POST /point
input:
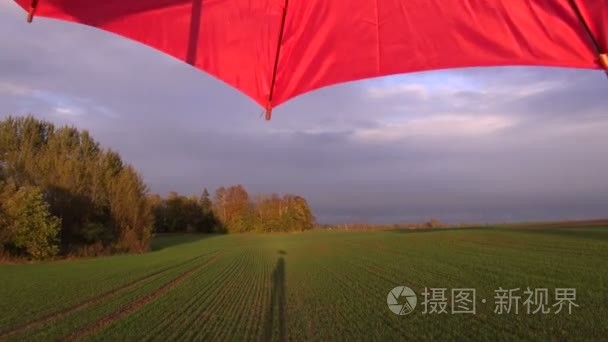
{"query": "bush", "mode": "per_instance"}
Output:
(30, 228)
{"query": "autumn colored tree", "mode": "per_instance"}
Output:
(231, 211)
(266, 213)
(233, 208)
(220, 204)
(130, 212)
(99, 199)
(297, 215)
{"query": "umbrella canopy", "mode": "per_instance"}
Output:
(274, 50)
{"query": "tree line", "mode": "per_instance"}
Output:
(62, 193)
(231, 210)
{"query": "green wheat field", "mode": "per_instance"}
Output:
(317, 285)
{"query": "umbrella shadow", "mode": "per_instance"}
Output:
(277, 304)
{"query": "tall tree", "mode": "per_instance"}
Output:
(97, 196)
(220, 204)
(237, 209)
(210, 222)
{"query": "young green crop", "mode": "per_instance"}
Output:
(318, 285)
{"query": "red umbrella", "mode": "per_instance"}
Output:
(274, 50)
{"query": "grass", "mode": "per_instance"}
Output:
(318, 285)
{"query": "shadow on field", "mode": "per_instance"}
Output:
(277, 303)
(166, 240)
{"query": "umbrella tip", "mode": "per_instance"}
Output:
(30, 13)
(604, 60)
(268, 111)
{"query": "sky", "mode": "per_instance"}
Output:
(471, 145)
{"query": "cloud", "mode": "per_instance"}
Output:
(471, 144)
(447, 126)
(13, 89)
(418, 91)
(528, 90)
(67, 111)
(57, 103)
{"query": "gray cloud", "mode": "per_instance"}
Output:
(475, 144)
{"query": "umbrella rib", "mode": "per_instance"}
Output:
(603, 57)
(276, 63)
(30, 14)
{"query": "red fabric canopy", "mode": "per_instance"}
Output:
(285, 48)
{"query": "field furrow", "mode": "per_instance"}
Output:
(89, 302)
(135, 305)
